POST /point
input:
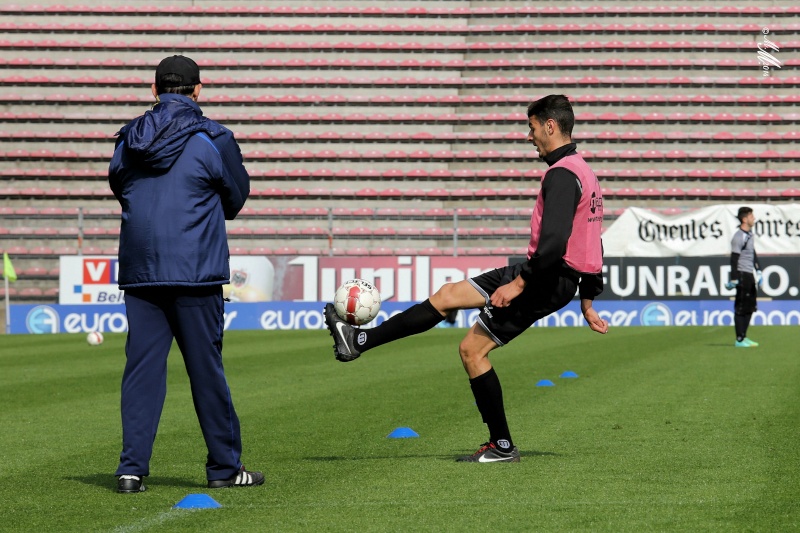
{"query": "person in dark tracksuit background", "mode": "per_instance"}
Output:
(177, 176)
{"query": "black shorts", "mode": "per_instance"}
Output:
(745, 302)
(541, 297)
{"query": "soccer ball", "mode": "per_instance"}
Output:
(357, 302)
(95, 338)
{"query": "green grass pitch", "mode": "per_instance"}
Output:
(666, 429)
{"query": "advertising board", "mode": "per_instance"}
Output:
(271, 316)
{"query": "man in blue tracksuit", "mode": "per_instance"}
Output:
(178, 176)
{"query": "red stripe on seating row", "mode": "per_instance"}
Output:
(519, 119)
(397, 64)
(443, 156)
(498, 82)
(423, 100)
(414, 194)
(419, 11)
(392, 46)
(441, 137)
(396, 29)
(405, 175)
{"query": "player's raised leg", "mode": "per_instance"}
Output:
(350, 342)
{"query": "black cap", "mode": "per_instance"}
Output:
(180, 71)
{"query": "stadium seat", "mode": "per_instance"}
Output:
(260, 250)
(30, 292)
(790, 174)
(650, 193)
(356, 251)
(310, 250)
(769, 194)
(405, 250)
(698, 174)
(33, 272)
(16, 250)
(11, 292)
(477, 233)
(431, 250)
(506, 251)
(475, 250)
(745, 194)
(382, 250)
(314, 232)
(282, 250)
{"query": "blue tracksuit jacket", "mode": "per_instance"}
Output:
(178, 176)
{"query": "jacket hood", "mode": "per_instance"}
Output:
(157, 138)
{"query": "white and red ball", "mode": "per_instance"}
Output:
(94, 338)
(357, 302)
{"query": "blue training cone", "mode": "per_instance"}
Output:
(569, 374)
(545, 383)
(402, 433)
(197, 501)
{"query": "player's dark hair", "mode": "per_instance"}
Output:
(185, 90)
(743, 212)
(556, 107)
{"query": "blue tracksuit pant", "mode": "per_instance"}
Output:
(194, 317)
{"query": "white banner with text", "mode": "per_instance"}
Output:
(703, 232)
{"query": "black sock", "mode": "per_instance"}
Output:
(489, 397)
(740, 322)
(416, 319)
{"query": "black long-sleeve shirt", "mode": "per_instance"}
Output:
(560, 192)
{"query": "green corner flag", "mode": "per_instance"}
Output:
(8, 268)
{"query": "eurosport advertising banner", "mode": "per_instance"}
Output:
(270, 316)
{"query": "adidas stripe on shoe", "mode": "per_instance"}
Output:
(243, 478)
(489, 453)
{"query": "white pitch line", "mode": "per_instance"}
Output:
(149, 523)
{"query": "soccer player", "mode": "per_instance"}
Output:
(564, 257)
(743, 261)
(178, 176)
